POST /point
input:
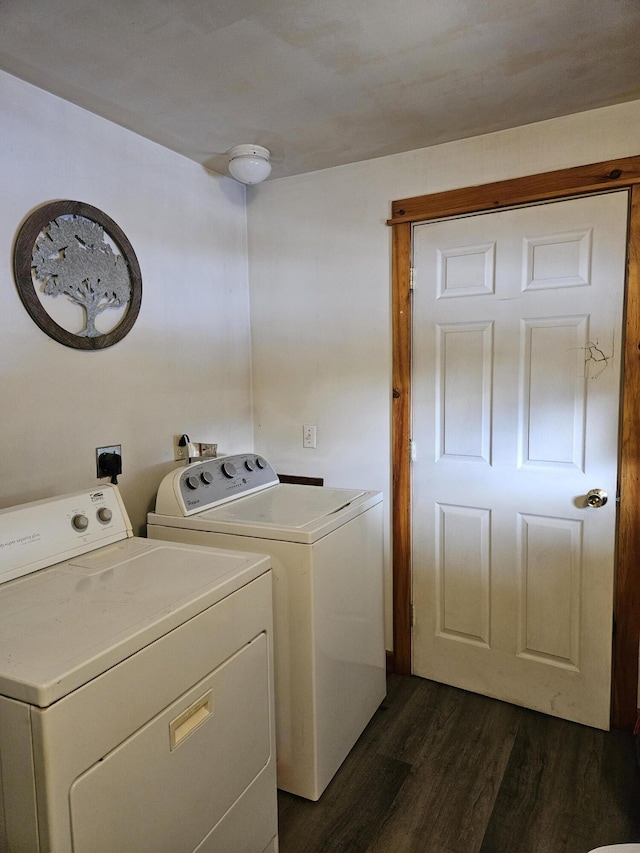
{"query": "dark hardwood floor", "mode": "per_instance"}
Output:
(440, 770)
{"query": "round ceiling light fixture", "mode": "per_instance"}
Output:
(249, 164)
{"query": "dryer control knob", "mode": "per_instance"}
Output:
(248, 464)
(104, 514)
(260, 462)
(80, 522)
(192, 482)
(207, 477)
(229, 469)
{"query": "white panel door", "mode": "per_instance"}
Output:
(516, 379)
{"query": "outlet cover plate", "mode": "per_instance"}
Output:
(112, 448)
(179, 452)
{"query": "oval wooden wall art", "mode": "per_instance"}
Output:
(61, 249)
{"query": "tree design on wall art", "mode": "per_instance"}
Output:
(72, 258)
(72, 250)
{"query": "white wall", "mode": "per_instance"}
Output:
(319, 268)
(185, 365)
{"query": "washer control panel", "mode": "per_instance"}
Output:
(210, 482)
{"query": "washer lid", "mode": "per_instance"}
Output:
(289, 512)
(64, 625)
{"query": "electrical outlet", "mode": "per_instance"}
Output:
(179, 451)
(112, 448)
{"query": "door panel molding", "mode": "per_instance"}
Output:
(549, 186)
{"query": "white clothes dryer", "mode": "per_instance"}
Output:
(326, 550)
(136, 687)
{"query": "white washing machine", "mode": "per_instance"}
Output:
(326, 552)
(136, 698)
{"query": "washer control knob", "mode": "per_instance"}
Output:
(206, 477)
(104, 514)
(229, 469)
(80, 522)
(260, 462)
(192, 482)
(249, 465)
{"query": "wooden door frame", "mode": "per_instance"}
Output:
(549, 186)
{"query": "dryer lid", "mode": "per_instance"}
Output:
(66, 624)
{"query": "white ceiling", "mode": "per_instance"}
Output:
(323, 82)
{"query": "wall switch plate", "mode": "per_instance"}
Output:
(112, 448)
(309, 435)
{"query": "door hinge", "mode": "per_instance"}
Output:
(411, 278)
(411, 616)
(412, 451)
